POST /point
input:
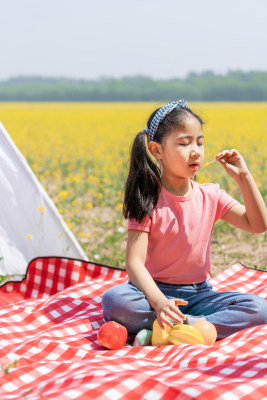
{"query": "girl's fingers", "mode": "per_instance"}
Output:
(176, 312)
(161, 318)
(168, 318)
(160, 323)
(174, 316)
(226, 154)
(180, 302)
(170, 312)
(221, 156)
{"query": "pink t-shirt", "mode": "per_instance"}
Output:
(180, 231)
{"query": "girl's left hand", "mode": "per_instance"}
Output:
(232, 162)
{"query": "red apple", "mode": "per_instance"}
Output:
(112, 335)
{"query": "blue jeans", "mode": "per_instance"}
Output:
(228, 311)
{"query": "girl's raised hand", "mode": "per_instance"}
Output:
(169, 308)
(233, 163)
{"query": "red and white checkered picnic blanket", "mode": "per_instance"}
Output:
(48, 328)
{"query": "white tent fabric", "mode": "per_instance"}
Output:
(30, 224)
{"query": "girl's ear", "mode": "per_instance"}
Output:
(155, 149)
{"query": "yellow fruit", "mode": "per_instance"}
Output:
(160, 336)
(185, 334)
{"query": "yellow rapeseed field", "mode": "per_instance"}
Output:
(80, 152)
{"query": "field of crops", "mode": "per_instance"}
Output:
(80, 152)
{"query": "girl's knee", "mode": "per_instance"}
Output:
(259, 308)
(116, 304)
(128, 306)
(110, 302)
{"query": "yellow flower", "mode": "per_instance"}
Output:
(41, 208)
(63, 194)
(120, 206)
(68, 223)
(29, 237)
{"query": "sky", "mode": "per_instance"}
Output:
(92, 39)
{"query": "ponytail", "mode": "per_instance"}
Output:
(143, 184)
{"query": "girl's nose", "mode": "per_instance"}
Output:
(195, 151)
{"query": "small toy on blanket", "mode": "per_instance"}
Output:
(143, 338)
(112, 335)
(207, 330)
(200, 332)
(178, 334)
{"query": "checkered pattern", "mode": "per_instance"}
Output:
(162, 112)
(48, 346)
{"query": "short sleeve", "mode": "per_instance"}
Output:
(144, 225)
(225, 202)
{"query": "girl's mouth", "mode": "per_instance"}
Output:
(194, 166)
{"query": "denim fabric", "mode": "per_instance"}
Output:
(228, 311)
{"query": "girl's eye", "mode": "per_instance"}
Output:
(187, 144)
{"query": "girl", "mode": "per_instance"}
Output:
(171, 218)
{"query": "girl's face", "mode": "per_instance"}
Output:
(182, 152)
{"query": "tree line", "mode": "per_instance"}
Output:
(205, 86)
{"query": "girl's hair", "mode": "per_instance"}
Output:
(143, 183)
